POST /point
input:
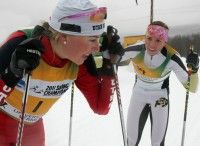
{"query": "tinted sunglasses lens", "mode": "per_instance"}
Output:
(99, 15)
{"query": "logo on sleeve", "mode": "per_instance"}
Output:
(4, 94)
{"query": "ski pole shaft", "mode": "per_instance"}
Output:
(24, 101)
(111, 32)
(71, 114)
(120, 107)
(186, 107)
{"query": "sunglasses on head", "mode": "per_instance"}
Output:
(94, 16)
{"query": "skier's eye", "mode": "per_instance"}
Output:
(158, 40)
(149, 38)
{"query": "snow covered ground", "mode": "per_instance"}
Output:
(89, 129)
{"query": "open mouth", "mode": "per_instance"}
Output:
(152, 49)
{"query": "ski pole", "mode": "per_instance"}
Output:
(151, 10)
(111, 32)
(186, 106)
(24, 101)
(71, 114)
(120, 107)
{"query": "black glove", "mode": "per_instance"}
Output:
(26, 58)
(116, 51)
(107, 68)
(104, 42)
(192, 61)
(110, 42)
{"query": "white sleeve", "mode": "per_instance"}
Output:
(131, 51)
(179, 69)
(128, 55)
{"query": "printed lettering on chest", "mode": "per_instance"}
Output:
(51, 90)
(46, 89)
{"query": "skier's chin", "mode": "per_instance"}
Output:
(152, 53)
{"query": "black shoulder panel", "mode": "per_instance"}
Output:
(6, 51)
(135, 48)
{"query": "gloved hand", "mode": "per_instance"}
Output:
(103, 42)
(26, 58)
(112, 50)
(192, 61)
(110, 42)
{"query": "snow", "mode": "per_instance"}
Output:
(89, 129)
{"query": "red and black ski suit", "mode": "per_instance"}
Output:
(48, 82)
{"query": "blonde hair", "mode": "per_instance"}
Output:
(49, 31)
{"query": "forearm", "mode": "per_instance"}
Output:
(7, 79)
(98, 90)
(106, 94)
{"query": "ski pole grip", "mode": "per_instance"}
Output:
(23, 65)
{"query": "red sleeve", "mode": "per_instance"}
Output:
(98, 91)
